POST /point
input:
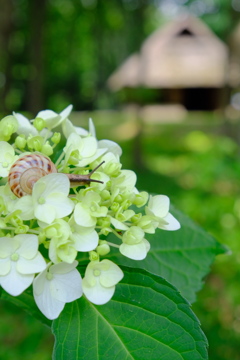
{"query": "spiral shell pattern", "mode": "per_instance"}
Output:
(26, 171)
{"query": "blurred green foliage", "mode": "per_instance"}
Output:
(56, 52)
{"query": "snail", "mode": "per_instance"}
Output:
(29, 168)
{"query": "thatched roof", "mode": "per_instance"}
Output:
(184, 53)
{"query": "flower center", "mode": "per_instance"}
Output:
(49, 276)
(96, 272)
(5, 164)
(14, 257)
(41, 200)
(94, 207)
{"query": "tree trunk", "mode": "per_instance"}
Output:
(6, 30)
(35, 100)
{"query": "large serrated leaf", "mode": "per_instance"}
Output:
(146, 319)
(182, 257)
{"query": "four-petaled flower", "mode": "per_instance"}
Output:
(100, 280)
(134, 245)
(19, 261)
(56, 285)
(49, 199)
(158, 208)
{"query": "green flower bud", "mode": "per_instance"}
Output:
(47, 149)
(115, 206)
(74, 158)
(126, 204)
(104, 222)
(133, 236)
(56, 138)
(2, 205)
(51, 232)
(39, 124)
(112, 169)
(141, 199)
(136, 218)
(14, 218)
(104, 231)
(105, 195)
(93, 256)
(35, 143)
(22, 229)
(148, 224)
(41, 237)
(103, 248)
(8, 126)
(118, 198)
(2, 224)
(120, 217)
(20, 141)
(109, 184)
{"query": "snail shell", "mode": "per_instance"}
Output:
(30, 168)
(26, 171)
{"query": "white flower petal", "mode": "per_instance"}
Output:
(130, 179)
(25, 204)
(112, 275)
(46, 114)
(33, 266)
(68, 128)
(5, 266)
(89, 147)
(111, 146)
(63, 267)
(28, 245)
(85, 241)
(54, 183)
(159, 205)
(86, 161)
(135, 252)
(14, 283)
(118, 224)
(7, 246)
(25, 127)
(67, 287)
(63, 205)
(45, 213)
(173, 223)
(66, 112)
(91, 127)
(83, 217)
(48, 305)
(97, 294)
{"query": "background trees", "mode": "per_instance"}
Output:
(55, 52)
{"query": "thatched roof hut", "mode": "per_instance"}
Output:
(184, 54)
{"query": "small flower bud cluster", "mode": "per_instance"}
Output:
(45, 234)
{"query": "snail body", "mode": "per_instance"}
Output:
(29, 168)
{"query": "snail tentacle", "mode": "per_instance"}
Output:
(78, 180)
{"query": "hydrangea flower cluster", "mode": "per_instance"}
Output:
(46, 234)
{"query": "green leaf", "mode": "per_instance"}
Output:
(27, 302)
(146, 319)
(182, 257)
